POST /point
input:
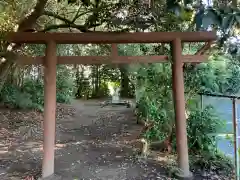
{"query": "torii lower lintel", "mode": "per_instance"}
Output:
(26, 60)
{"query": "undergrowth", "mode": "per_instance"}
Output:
(202, 129)
(212, 162)
(30, 95)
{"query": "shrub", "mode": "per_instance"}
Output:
(65, 84)
(103, 90)
(31, 94)
(35, 88)
(8, 94)
(202, 127)
(213, 162)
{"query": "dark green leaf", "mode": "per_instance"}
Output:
(237, 17)
(211, 17)
(86, 2)
(72, 1)
(174, 6)
(207, 21)
(227, 22)
(198, 20)
(188, 2)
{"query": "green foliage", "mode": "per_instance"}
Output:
(35, 89)
(220, 75)
(83, 89)
(154, 99)
(162, 127)
(65, 84)
(224, 16)
(31, 93)
(9, 95)
(103, 90)
(114, 84)
(216, 162)
(202, 127)
(14, 96)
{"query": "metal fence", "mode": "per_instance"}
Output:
(228, 109)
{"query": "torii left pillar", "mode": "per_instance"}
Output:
(49, 121)
(179, 107)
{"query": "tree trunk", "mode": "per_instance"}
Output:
(12, 75)
(79, 80)
(124, 82)
(27, 23)
(21, 72)
(235, 3)
(4, 72)
(97, 81)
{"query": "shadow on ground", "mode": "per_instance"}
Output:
(90, 145)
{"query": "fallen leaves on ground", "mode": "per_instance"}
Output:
(110, 134)
(29, 123)
(19, 126)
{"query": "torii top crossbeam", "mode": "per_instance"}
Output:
(110, 37)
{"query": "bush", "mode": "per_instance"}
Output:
(65, 85)
(83, 89)
(202, 127)
(154, 100)
(24, 101)
(31, 94)
(162, 126)
(217, 162)
(103, 90)
(14, 97)
(36, 89)
(22, 98)
(9, 94)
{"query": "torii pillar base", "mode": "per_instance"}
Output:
(181, 176)
(52, 177)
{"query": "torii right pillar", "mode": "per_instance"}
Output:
(179, 107)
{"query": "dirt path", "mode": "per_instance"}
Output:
(89, 146)
(95, 149)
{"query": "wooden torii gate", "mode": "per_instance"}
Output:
(51, 60)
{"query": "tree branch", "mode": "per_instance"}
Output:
(76, 16)
(82, 28)
(203, 49)
(29, 21)
(48, 13)
(67, 23)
